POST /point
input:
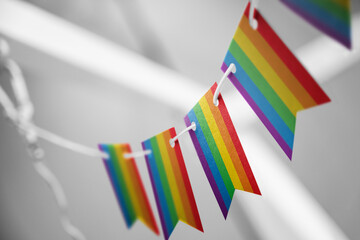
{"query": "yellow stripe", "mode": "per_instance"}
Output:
(277, 64)
(268, 72)
(235, 157)
(220, 144)
(141, 198)
(188, 218)
(128, 179)
(170, 176)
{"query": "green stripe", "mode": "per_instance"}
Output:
(337, 10)
(263, 85)
(121, 181)
(164, 180)
(214, 149)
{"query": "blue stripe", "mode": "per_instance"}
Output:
(210, 159)
(116, 186)
(323, 16)
(158, 190)
(261, 101)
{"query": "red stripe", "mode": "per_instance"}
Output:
(235, 138)
(187, 184)
(289, 59)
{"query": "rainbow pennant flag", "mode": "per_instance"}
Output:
(127, 185)
(219, 149)
(271, 79)
(171, 184)
(329, 16)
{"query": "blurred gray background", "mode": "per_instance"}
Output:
(314, 196)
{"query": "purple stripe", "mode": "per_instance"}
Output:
(207, 170)
(320, 25)
(259, 113)
(107, 167)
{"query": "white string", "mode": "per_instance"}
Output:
(5, 101)
(191, 127)
(22, 118)
(230, 69)
(13, 114)
(8, 106)
(137, 154)
(73, 146)
(60, 198)
(25, 107)
(253, 6)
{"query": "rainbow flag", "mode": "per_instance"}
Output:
(329, 16)
(219, 149)
(127, 185)
(271, 79)
(171, 184)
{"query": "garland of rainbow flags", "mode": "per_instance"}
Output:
(274, 84)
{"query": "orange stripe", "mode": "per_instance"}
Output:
(277, 64)
(128, 165)
(188, 218)
(145, 213)
(228, 142)
(187, 184)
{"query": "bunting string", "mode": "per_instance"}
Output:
(191, 127)
(262, 69)
(230, 69)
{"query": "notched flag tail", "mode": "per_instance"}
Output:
(271, 79)
(172, 189)
(333, 17)
(219, 149)
(127, 186)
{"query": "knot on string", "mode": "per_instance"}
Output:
(22, 118)
(35, 151)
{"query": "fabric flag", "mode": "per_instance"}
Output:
(329, 16)
(219, 149)
(171, 184)
(127, 185)
(271, 79)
